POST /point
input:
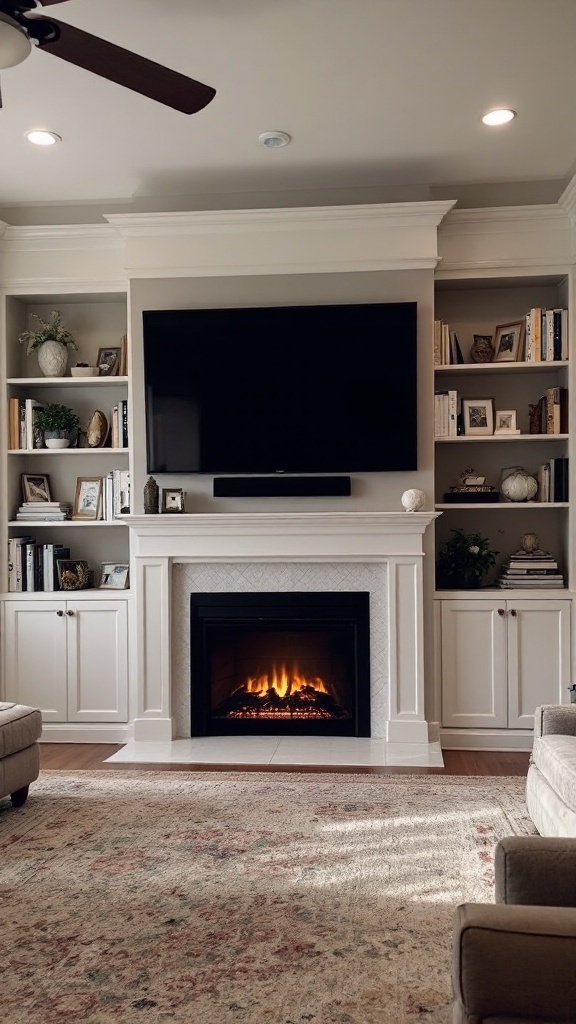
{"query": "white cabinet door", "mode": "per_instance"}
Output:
(474, 664)
(35, 656)
(97, 661)
(538, 657)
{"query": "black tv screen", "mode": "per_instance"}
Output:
(281, 389)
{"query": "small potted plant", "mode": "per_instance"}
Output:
(463, 561)
(51, 340)
(58, 423)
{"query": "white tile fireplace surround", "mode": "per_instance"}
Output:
(379, 552)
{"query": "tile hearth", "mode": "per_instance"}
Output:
(329, 751)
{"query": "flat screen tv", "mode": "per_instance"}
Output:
(281, 389)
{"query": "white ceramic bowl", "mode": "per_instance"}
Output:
(84, 371)
(57, 442)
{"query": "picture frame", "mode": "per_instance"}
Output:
(108, 361)
(505, 421)
(115, 576)
(73, 573)
(478, 416)
(509, 342)
(88, 498)
(36, 487)
(172, 499)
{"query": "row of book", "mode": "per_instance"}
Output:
(119, 425)
(552, 479)
(550, 414)
(445, 413)
(33, 566)
(546, 335)
(526, 570)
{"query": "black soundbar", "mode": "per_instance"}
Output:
(281, 486)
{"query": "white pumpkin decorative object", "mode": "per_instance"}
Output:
(413, 499)
(519, 486)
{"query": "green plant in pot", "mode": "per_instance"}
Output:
(463, 561)
(58, 423)
(51, 340)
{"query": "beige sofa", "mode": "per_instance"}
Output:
(551, 781)
(516, 964)
(20, 728)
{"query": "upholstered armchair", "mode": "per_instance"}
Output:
(514, 962)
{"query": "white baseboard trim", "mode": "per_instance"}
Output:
(72, 732)
(485, 739)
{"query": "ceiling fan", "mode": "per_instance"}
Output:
(21, 25)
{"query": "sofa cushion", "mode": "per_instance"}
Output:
(555, 758)
(20, 726)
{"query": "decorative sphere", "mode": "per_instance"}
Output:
(413, 499)
(519, 486)
(529, 542)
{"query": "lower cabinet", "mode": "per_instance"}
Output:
(500, 659)
(68, 658)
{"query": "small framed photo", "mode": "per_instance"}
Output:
(73, 574)
(509, 342)
(114, 576)
(172, 499)
(478, 415)
(88, 498)
(505, 421)
(35, 488)
(108, 361)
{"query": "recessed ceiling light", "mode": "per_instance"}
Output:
(42, 138)
(273, 140)
(500, 116)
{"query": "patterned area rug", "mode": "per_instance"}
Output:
(240, 898)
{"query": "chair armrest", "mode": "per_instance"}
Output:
(555, 718)
(513, 961)
(539, 870)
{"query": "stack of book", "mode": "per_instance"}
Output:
(528, 569)
(44, 511)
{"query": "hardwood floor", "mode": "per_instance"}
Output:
(64, 756)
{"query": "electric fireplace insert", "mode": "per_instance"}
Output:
(280, 664)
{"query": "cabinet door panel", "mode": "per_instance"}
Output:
(538, 657)
(473, 664)
(35, 656)
(97, 661)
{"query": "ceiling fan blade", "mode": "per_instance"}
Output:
(123, 67)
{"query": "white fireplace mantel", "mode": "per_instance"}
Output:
(395, 538)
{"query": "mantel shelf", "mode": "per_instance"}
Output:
(499, 438)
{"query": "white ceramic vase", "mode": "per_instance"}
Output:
(53, 358)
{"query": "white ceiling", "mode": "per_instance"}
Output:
(382, 99)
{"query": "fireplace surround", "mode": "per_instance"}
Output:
(165, 547)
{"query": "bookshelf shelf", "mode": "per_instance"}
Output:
(499, 506)
(68, 382)
(67, 452)
(500, 438)
(483, 369)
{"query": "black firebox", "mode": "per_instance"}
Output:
(280, 664)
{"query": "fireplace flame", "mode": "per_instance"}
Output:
(284, 681)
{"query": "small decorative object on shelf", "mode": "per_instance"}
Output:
(530, 568)
(572, 692)
(463, 561)
(478, 414)
(505, 422)
(97, 430)
(84, 370)
(413, 499)
(172, 499)
(114, 576)
(519, 486)
(471, 488)
(73, 574)
(108, 361)
(482, 349)
(509, 342)
(151, 497)
(58, 423)
(51, 340)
